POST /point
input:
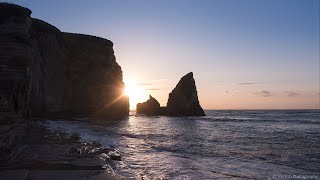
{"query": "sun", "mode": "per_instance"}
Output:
(135, 93)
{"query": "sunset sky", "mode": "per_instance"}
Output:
(245, 54)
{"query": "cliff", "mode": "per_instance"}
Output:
(46, 72)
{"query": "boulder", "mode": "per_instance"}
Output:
(183, 100)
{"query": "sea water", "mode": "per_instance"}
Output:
(235, 144)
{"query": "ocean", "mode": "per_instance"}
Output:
(225, 144)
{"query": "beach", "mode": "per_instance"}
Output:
(30, 150)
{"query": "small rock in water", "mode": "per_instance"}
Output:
(114, 155)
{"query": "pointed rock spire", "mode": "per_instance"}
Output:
(183, 100)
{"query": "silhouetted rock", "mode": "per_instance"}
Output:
(46, 72)
(183, 100)
(150, 107)
(8, 10)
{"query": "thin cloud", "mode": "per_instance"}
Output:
(228, 93)
(247, 83)
(153, 89)
(264, 93)
(292, 94)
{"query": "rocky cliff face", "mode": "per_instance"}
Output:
(183, 100)
(15, 57)
(45, 72)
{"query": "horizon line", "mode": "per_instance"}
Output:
(248, 109)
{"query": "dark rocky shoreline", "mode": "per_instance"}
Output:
(28, 150)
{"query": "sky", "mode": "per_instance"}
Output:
(244, 54)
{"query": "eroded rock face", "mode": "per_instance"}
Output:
(150, 107)
(94, 76)
(15, 58)
(45, 72)
(183, 100)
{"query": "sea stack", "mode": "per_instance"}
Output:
(150, 107)
(183, 100)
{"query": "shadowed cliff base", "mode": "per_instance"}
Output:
(46, 72)
(183, 101)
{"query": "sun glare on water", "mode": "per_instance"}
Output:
(135, 93)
